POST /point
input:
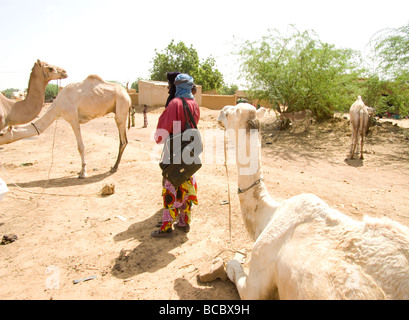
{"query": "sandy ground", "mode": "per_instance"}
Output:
(66, 231)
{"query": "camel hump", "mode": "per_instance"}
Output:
(95, 77)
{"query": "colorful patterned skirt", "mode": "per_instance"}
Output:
(177, 203)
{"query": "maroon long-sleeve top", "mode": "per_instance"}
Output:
(173, 119)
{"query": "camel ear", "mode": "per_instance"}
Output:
(238, 112)
(39, 62)
(261, 112)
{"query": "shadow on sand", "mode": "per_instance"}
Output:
(151, 254)
(63, 181)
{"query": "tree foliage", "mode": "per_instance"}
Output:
(175, 57)
(228, 89)
(208, 76)
(135, 84)
(8, 93)
(51, 92)
(298, 71)
(391, 48)
(372, 89)
(388, 84)
(179, 57)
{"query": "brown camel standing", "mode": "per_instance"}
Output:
(14, 112)
(79, 103)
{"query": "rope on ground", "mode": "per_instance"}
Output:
(48, 178)
(229, 198)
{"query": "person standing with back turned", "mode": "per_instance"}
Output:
(177, 202)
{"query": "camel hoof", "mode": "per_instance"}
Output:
(82, 175)
(113, 170)
(231, 268)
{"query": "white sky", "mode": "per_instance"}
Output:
(117, 39)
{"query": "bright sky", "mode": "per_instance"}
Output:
(117, 39)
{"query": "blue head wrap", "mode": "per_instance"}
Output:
(184, 84)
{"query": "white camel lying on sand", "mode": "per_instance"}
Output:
(359, 117)
(15, 112)
(79, 103)
(303, 248)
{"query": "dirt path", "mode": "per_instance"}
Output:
(80, 234)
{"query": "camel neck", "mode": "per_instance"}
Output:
(249, 181)
(248, 159)
(36, 87)
(26, 110)
(256, 204)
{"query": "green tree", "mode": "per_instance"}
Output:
(175, 57)
(398, 96)
(391, 48)
(179, 57)
(372, 93)
(9, 92)
(51, 92)
(208, 76)
(135, 84)
(390, 59)
(299, 71)
(228, 89)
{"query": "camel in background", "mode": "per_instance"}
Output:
(14, 112)
(303, 248)
(19, 95)
(79, 103)
(359, 117)
(297, 116)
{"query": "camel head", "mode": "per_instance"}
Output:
(50, 72)
(241, 123)
(241, 116)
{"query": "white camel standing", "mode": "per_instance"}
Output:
(19, 95)
(359, 117)
(14, 112)
(303, 248)
(79, 103)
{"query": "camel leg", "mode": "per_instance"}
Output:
(363, 129)
(123, 141)
(77, 131)
(354, 140)
(255, 286)
(362, 146)
(356, 137)
(307, 124)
